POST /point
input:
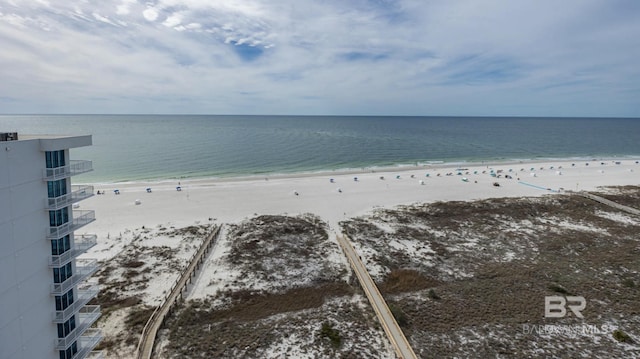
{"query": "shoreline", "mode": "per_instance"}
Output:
(433, 165)
(332, 196)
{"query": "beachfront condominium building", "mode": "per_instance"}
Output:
(44, 292)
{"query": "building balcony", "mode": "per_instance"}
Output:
(78, 193)
(80, 219)
(84, 319)
(75, 167)
(87, 342)
(84, 295)
(82, 244)
(85, 268)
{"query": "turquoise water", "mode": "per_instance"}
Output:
(151, 147)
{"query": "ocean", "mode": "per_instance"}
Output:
(155, 147)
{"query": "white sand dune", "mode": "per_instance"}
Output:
(204, 201)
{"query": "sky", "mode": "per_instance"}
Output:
(322, 57)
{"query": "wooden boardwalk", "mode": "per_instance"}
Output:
(150, 331)
(609, 203)
(391, 328)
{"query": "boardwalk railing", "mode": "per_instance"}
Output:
(150, 330)
(609, 203)
(387, 321)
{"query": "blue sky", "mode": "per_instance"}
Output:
(335, 57)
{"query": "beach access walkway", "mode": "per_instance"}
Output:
(609, 203)
(150, 331)
(388, 322)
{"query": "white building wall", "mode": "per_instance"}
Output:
(27, 329)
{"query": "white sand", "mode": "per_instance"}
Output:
(203, 201)
(231, 200)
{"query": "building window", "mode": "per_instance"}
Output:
(63, 273)
(64, 301)
(67, 327)
(58, 217)
(55, 159)
(60, 245)
(57, 188)
(70, 352)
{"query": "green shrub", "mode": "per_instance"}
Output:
(327, 331)
(629, 283)
(621, 336)
(399, 315)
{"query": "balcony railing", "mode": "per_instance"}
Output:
(87, 342)
(85, 318)
(78, 193)
(84, 296)
(82, 244)
(80, 219)
(85, 268)
(75, 167)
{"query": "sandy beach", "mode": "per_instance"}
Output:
(136, 229)
(334, 196)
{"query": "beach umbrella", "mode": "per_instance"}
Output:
(355, 179)
(340, 190)
(148, 189)
(465, 179)
(421, 182)
(137, 202)
(331, 180)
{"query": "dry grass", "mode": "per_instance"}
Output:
(491, 263)
(304, 289)
(124, 277)
(625, 195)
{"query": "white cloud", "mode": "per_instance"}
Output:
(407, 57)
(103, 19)
(150, 14)
(173, 20)
(125, 7)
